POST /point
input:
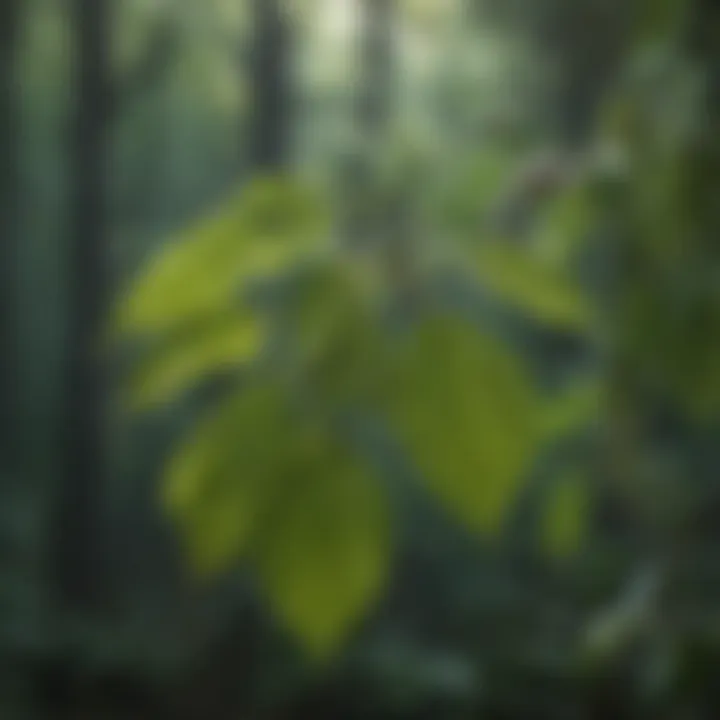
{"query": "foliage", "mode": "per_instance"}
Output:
(273, 456)
(534, 286)
(565, 518)
(465, 411)
(472, 443)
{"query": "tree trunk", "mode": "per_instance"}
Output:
(587, 42)
(376, 66)
(9, 197)
(78, 563)
(371, 113)
(270, 87)
(704, 46)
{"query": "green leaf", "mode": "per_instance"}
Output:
(325, 297)
(462, 206)
(224, 476)
(264, 230)
(536, 288)
(254, 481)
(340, 336)
(188, 279)
(283, 210)
(222, 344)
(565, 516)
(466, 414)
(575, 408)
(324, 557)
(562, 226)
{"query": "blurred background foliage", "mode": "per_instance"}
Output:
(359, 359)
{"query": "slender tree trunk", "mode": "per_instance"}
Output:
(11, 680)
(371, 112)
(374, 101)
(704, 46)
(9, 198)
(587, 41)
(78, 563)
(270, 87)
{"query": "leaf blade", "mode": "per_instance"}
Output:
(465, 413)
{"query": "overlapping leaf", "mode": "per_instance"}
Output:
(324, 558)
(266, 228)
(225, 475)
(341, 341)
(222, 343)
(254, 482)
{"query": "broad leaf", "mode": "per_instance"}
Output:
(220, 344)
(534, 287)
(463, 205)
(223, 478)
(265, 229)
(466, 414)
(340, 337)
(562, 226)
(324, 556)
(254, 481)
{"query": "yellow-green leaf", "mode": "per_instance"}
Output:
(464, 204)
(324, 558)
(466, 414)
(565, 516)
(265, 229)
(189, 278)
(562, 225)
(575, 407)
(534, 287)
(284, 210)
(220, 344)
(224, 476)
(252, 480)
(340, 337)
